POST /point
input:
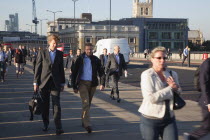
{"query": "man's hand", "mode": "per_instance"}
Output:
(62, 88)
(75, 90)
(209, 107)
(101, 87)
(36, 88)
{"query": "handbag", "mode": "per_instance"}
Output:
(36, 105)
(178, 101)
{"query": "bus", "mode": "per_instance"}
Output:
(64, 47)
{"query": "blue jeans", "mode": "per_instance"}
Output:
(151, 129)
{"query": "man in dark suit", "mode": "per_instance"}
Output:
(104, 59)
(85, 80)
(115, 64)
(49, 77)
(68, 66)
(204, 102)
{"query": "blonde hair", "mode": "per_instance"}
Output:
(157, 49)
(53, 37)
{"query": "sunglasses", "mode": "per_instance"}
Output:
(164, 58)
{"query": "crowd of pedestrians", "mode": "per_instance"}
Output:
(86, 72)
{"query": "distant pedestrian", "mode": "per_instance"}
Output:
(104, 60)
(169, 54)
(115, 64)
(78, 53)
(185, 54)
(157, 85)
(68, 66)
(180, 53)
(9, 56)
(85, 80)
(18, 61)
(2, 63)
(33, 56)
(49, 77)
(204, 102)
(145, 53)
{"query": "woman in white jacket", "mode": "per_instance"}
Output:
(157, 85)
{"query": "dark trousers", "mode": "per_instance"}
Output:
(2, 70)
(184, 57)
(34, 64)
(205, 126)
(107, 80)
(48, 90)
(115, 78)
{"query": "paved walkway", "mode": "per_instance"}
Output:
(110, 120)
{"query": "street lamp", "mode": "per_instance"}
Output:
(41, 24)
(74, 20)
(31, 26)
(54, 12)
(110, 30)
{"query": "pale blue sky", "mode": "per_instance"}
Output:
(197, 11)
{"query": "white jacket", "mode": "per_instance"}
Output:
(154, 94)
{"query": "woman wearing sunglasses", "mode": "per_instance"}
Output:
(157, 85)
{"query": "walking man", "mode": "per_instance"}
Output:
(68, 66)
(115, 64)
(185, 54)
(85, 80)
(104, 59)
(2, 63)
(204, 103)
(49, 77)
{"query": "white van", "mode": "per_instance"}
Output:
(109, 45)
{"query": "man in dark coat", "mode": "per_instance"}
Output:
(85, 80)
(204, 102)
(104, 59)
(115, 64)
(49, 77)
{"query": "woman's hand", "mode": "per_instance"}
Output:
(172, 83)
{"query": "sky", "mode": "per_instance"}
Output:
(196, 11)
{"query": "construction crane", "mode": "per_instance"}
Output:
(34, 18)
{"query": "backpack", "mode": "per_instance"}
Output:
(197, 85)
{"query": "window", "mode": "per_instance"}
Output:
(166, 44)
(153, 45)
(142, 11)
(178, 45)
(146, 12)
(132, 40)
(178, 35)
(153, 35)
(67, 26)
(99, 38)
(166, 35)
(60, 27)
(88, 39)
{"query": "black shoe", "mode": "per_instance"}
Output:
(45, 128)
(88, 129)
(118, 100)
(112, 97)
(59, 131)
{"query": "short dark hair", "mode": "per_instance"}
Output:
(89, 44)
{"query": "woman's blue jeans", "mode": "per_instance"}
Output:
(151, 129)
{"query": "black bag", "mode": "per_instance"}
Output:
(35, 105)
(178, 101)
(197, 80)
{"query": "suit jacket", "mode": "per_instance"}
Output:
(97, 70)
(204, 78)
(112, 65)
(44, 69)
(68, 63)
(155, 93)
(102, 60)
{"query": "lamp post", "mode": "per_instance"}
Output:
(31, 26)
(54, 12)
(41, 25)
(74, 21)
(110, 30)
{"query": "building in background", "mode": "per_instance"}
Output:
(195, 37)
(13, 23)
(142, 9)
